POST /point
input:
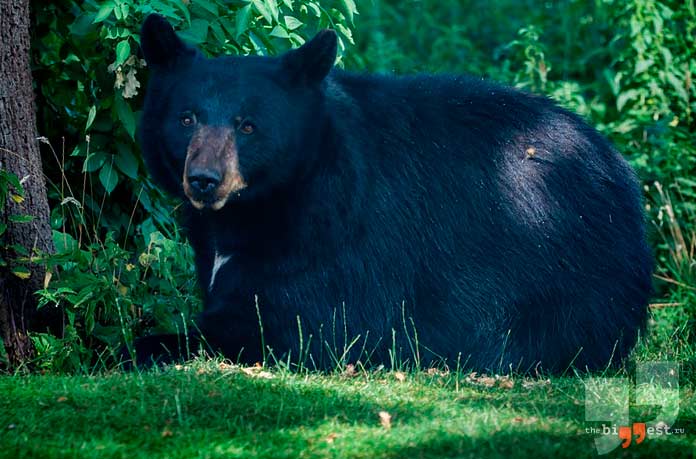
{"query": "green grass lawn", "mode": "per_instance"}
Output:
(211, 410)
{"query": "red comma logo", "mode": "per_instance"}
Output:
(626, 434)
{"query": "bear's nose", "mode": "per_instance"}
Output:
(203, 181)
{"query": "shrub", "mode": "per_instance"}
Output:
(122, 266)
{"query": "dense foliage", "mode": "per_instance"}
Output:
(123, 267)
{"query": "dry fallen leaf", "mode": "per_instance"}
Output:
(385, 419)
(62, 399)
(486, 381)
(167, 433)
(225, 366)
(331, 437)
(400, 376)
(130, 88)
(436, 372)
(505, 382)
(257, 372)
(349, 371)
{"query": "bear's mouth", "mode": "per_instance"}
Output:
(211, 171)
(218, 201)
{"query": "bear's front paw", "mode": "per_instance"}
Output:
(158, 350)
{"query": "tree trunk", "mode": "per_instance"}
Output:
(19, 154)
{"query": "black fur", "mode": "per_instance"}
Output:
(500, 227)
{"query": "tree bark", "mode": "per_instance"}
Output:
(19, 154)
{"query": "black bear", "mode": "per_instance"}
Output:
(337, 215)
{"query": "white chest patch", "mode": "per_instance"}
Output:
(217, 264)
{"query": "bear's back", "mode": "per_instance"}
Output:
(497, 200)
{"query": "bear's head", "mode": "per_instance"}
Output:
(215, 130)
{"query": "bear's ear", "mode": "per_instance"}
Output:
(311, 62)
(162, 48)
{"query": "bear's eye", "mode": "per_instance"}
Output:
(187, 119)
(246, 127)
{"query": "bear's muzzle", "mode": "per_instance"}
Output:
(211, 170)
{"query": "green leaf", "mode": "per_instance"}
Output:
(197, 33)
(122, 52)
(218, 33)
(22, 272)
(93, 162)
(624, 126)
(315, 9)
(90, 117)
(350, 9)
(3, 228)
(297, 40)
(625, 97)
(345, 31)
(273, 7)
(126, 161)
(614, 80)
(242, 20)
(20, 218)
(642, 65)
(125, 115)
(258, 45)
(184, 10)
(679, 86)
(263, 9)
(104, 12)
(125, 7)
(227, 26)
(64, 242)
(82, 25)
(71, 58)
(208, 6)
(118, 12)
(115, 32)
(686, 181)
(13, 180)
(279, 32)
(108, 177)
(20, 249)
(292, 23)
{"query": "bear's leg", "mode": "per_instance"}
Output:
(162, 349)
